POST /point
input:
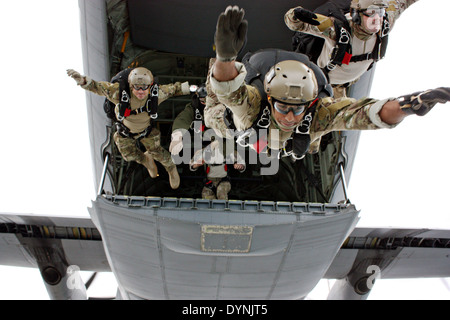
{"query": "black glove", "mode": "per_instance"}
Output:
(421, 102)
(306, 16)
(231, 32)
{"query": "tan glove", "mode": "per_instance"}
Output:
(79, 79)
(177, 143)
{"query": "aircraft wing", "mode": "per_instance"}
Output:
(395, 253)
(29, 240)
(42, 241)
(399, 253)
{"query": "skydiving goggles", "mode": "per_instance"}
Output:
(372, 11)
(283, 108)
(140, 87)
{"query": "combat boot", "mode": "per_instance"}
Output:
(174, 177)
(151, 165)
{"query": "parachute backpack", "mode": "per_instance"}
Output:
(257, 65)
(151, 106)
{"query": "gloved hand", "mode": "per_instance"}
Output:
(421, 102)
(177, 143)
(231, 32)
(80, 80)
(306, 16)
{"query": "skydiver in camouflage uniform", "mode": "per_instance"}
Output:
(203, 111)
(367, 38)
(291, 88)
(138, 125)
(191, 120)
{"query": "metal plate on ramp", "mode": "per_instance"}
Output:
(227, 239)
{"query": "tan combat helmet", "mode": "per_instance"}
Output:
(291, 82)
(364, 4)
(141, 76)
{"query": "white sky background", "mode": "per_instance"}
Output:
(400, 178)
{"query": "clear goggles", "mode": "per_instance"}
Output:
(283, 108)
(372, 11)
(140, 87)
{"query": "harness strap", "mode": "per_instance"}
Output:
(151, 105)
(342, 53)
(252, 136)
(126, 133)
(209, 184)
(297, 146)
(362, 57)
(197, 125)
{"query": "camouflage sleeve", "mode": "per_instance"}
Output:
(103, 88)
(167, 91)
(396, 8)
(244, 101)
(348, 114)
(184, 118)
(324, 30)
(214, 119)
(213, 113)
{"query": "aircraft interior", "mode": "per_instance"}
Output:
(309, 180)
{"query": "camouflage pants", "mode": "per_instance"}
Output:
(152, 143)
(220, 187)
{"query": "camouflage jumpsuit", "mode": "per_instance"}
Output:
(331, 114)
(362, 42)
(140, 122)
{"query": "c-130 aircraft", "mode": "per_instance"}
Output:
(183, 227)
